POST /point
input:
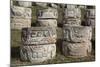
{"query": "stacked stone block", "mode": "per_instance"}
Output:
(24, 3)
(38, 44)
(76, 38)
(20, 17)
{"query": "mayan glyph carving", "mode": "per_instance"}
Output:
(77, 49)
(47, 22)
(20, 12)
(48, 13)
(77, 33)
(38, 53)
(39, 35)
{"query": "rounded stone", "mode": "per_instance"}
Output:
(48, 13)
(47, 22)
(38, 53)
(77, 33)
(38, 35)
(76, 49)
(25, 3)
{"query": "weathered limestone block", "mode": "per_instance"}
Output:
(75, 13)
(71, 7)
(54, 5)
(72, 22)
(77, 49)
(90, 13)
(42, 4)
(47, 22)
(82, 6)
(39, 35)
(77, 33)
(25, 3)
(19, 23)
(20, 12)
(38, 53)
(48, 13)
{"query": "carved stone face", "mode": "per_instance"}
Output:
(39, 35)
(77, 33)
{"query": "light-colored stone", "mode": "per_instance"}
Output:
(71, 6)
(72, 22)
(54, 5)
(39, 35)
(75, 13)
(48, 13)
(76, 49)
(47, 22)
(90, 22)
(25, 3)
(77, 33)
(42, 4)
(38, 53)
(90, 13)
(19, 23)
(20, 12)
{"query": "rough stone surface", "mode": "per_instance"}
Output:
(42, 4)
(19, 23)
(75, 13)
(48, 13)
(71, 7)
(76, 49)
(20, 12)
(25, 3)
(47, 22)
(77, 33)
(72, 22)
(38, 53)
(90, 13)
(39, 35)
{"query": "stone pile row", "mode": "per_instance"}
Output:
(39, 42)
(76, 38)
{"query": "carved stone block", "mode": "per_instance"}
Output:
(77, 33)
(47, 22)
(75, 13)
(39, 35)
(76, 49)
(48, 13)
(20, 12)
(19, 23)
(25, 3)
(37, 53)
(71, 7)
(42, 4)
(72, 22)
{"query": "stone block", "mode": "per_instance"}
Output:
(20, 12)
(72, 22)
(19, 23)
(76, 49)
(25, 3)
(38, 53)
(47, 22)
(48, 13)
(90, 13)
(74, 13)
(77, 33)
(39, 35)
